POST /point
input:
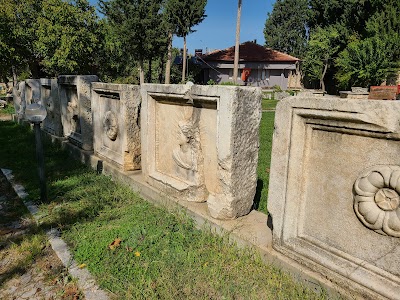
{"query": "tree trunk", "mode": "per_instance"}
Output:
(149, 72)
(161, 69)
(141, 72)
(35, 69)
(322, 83)
(236, 61)
(169, 60)
(184, 60)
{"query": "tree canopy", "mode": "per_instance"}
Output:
(285, 27)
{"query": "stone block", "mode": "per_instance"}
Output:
(116, 111)
(200, 143)
(51, 100)
(334, 190)
(76, 109)
(32, 91)
(19, 100)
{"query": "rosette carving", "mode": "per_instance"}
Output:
(110, 125)
(377, 200)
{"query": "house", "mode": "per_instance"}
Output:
(261, 66)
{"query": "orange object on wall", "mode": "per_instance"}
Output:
(245, 74)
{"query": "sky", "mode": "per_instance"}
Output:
(218, 29)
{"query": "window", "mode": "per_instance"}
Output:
(264, 74)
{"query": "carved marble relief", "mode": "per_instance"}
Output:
(377, 201)
(181, 154)
(110, 125)
(19, 99)
(72, 110)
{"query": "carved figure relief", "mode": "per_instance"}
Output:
(377, 200)
(184, 155)
(73, 115)
(187, 155)
(110, 125)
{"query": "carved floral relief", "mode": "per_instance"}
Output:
(377, 200)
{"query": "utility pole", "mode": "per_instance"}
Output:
(236, 61)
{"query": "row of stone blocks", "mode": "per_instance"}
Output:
(335, 169)
(198, 143)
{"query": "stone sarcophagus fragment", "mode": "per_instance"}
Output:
(76, 110)
(19, 100)
(116, 111)
(25, 93)
(334, 190)
(200, 143)
(32, 91)
(49, 97)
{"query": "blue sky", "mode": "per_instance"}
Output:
(218, 29)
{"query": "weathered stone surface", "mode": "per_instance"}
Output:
(333, 191)
(281, 95)
(116, 111)
(51, 100)
(32, 91)
(19, 100)
(76, 110)
(200, 143)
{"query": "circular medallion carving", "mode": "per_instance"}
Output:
(377, 200)
(110, 125)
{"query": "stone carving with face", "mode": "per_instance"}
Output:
(110, 125)
(184, 155)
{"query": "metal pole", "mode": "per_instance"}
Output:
(40, 161)
(236, 58)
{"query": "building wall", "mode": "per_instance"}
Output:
(262, 74)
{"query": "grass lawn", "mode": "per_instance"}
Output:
(137, 250)
(268, 104)
(264, 160)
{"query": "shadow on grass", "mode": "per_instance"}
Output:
(257, 196)
(75, 192)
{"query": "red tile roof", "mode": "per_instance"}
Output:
(249, 51)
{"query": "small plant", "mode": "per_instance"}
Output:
(228, 83)
(277, 88)
(291, 92)
(211, 82)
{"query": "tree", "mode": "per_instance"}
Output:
(376, 57)
(138, 26)
(321, 51)
(285, 27)
(8, 53)
(187, 13)
(367, 62)
(67, 37)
